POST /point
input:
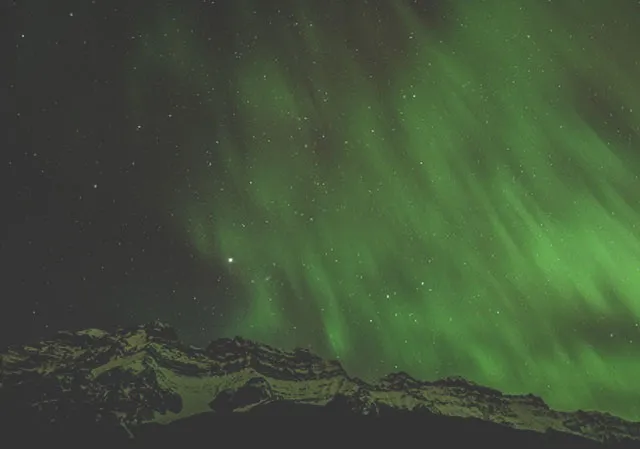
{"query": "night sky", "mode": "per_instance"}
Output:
(439, 187)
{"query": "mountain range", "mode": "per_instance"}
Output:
(141, 386)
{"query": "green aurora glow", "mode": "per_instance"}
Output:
(456, 196)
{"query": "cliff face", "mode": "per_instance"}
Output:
(142, 385)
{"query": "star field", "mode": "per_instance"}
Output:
(443, 188)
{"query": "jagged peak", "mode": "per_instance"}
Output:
(531, 399)
(398, 380)
(161, 330)
(459, 381)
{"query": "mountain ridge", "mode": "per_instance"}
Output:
(138, 383)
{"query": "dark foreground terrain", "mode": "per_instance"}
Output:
(141, 387)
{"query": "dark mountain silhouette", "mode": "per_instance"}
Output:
(141, 386)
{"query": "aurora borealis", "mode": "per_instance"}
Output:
(442, 188)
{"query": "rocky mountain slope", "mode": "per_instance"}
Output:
(142, 385)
